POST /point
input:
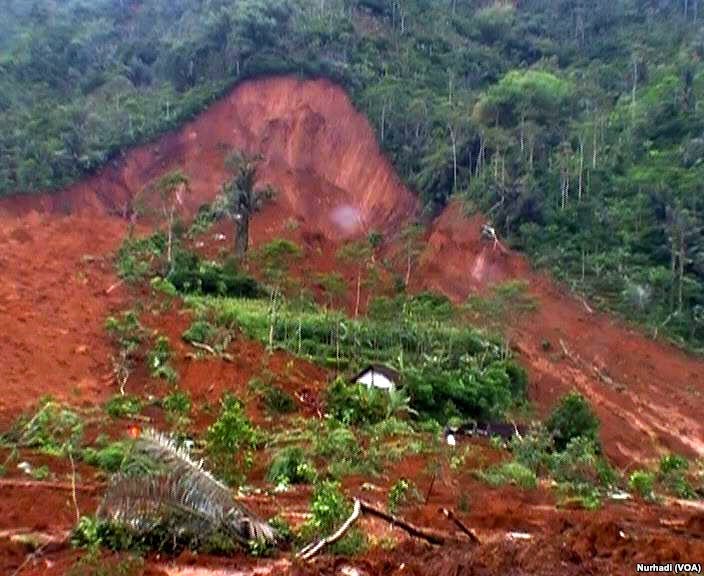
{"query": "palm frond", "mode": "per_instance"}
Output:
(183, 496)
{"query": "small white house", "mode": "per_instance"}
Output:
(378, 376)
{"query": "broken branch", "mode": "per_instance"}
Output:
(415, 531)
(450, 515)
(312, 549)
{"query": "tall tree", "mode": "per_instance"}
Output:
(242, 197)
(166, 195)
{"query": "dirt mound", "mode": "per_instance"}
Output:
(647, 394)
(320, 154)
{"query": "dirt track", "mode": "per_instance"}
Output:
(55, 261)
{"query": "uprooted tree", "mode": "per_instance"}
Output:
(241, 196)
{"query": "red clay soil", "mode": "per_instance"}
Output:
(55, 261)
(648, 394)
(323, 157)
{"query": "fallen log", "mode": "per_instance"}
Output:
(362, 507)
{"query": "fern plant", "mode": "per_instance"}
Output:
(181, 500)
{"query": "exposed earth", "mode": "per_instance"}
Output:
(59, 285)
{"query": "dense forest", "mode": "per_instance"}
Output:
(575, 126)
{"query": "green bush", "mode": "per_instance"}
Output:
(178, 403)
(120, 406)
(278, 401)
(642, 482)
(52, 429)
(158, 360)
(109, 458)
(139, 258)
(200, 331)
(352, 403)
(510, 473)
(673, 463)
(572, 418)
(580, 462)
(231, 440)
(533, 450)
(190, 274)
(291, 466)
(329, 508)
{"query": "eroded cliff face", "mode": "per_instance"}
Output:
(333, 182)
(319, 153)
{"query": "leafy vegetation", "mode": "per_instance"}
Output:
(449, 369)
(572, 418)
(231, 440)
(578, 131)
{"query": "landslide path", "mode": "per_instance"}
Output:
(648, 394)
(333, 182)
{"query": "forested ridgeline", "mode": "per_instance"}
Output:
(575, 125)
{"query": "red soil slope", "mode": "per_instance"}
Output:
(648, 395)
(323, 157)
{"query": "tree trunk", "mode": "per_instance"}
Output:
(359, 292)
(242, 236)
(454, 159)
(581, 169)
(408, 269)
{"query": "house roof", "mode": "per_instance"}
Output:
(390, 373)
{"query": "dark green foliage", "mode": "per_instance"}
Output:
(277, 400)
(231, 440)
(192, 275)
(572, 418)
(158, 360)
(178, 403)
(354, 404)
(200, 331)
(53, 429)
(126, 330)
(291, 466)
(330, 508)
(140, 258)
(123, 406)
(109, 458)
(580, 129)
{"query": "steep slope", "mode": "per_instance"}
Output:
(319, 153)
(333, 183)
(647, 394)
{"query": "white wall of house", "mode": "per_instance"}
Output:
(372, 379)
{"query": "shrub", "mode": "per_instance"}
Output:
(109, 458)
(123, 406)
(673, 475)
(399, 494)
(231, 439)
(329, 508)
(642, 482)
(178, 403)
(673, 463)
(200, 331)
(278, 401)
(572, 418)
(190, 274)
(126, 330)
(510, 473)
(290, 466)
(53, 429)
(533, 450)
(138, 258)
(356, 404)
(158, 359)
(581, 463)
